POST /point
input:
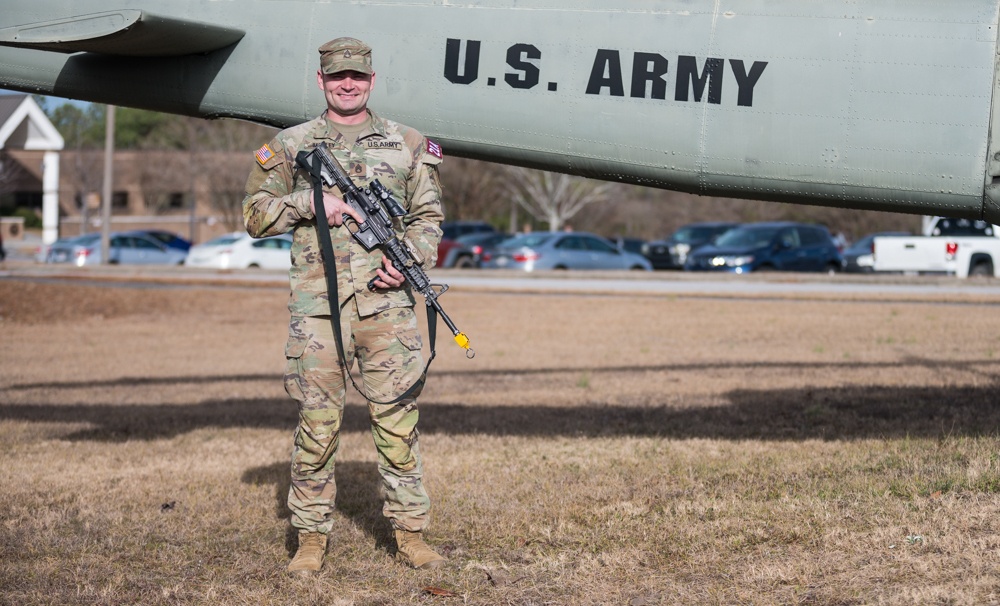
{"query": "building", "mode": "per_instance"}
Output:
(197, 195)
(34, 178)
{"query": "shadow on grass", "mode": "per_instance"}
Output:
(358, 499)
(841, 413)
(472, 375)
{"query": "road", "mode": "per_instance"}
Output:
(620, 283)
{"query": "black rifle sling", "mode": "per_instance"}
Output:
(330, 270)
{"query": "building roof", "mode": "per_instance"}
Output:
(9, 104)
(23, 125)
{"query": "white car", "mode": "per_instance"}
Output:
(239, 251)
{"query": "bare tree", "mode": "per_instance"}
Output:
(236, 141)
(472, 189)
(238, 135)
(554, 198)
(82, 169)
(227, 186)
(158, 172)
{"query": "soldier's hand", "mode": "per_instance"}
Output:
(388, 276)
(335, 208)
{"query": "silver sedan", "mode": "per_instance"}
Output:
(561, 250)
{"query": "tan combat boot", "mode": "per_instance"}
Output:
(412, 551)
(309, 558)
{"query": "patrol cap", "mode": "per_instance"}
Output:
(343, 54)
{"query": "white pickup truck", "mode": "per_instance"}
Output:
(957, 247)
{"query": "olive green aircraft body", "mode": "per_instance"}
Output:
(870, 104)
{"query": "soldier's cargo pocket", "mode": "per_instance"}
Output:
(297, 339)
(295, 385)
(410, 338)
(296, 346)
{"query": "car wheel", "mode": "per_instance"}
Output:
(560, 267)
(253, 266)
(637, 267)
(832, 269)
(982, 269)
(465, 262)
(765, 269)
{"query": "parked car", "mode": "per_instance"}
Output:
(950, 246)
(168, 238)
(859, 257)
(454, 230)
(779, 246)
(469, 249)
(128, 248)
(42, 253)
(672, 252)
(561, 250)
(239, 251)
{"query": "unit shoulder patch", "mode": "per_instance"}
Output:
(434, 149)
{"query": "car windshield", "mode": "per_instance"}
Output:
(527, 241)
(747, 237)
(223, 240)
(686, 235)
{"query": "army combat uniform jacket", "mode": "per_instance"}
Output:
(279, 192)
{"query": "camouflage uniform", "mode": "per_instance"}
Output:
(379, 328)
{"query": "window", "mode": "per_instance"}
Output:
(526, 241)
(599, 246)
(571, 243)
(962, 227)
(30, 199)
(790, 238)
(143, 244)
(813, 237)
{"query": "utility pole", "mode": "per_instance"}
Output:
(109, 156)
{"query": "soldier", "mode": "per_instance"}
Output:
(379, 326)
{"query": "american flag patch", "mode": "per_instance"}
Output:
(264, 154)
(434, 149)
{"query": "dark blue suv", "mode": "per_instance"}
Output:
(672, 252)
(780, 246)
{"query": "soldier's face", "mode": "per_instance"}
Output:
(346, 94)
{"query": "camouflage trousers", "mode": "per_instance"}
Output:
(386, 346)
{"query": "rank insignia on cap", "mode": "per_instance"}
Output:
(264, 154)
(434, 149)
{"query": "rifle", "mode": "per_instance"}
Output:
(376, 204)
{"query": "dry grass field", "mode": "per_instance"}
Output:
(597, 450)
